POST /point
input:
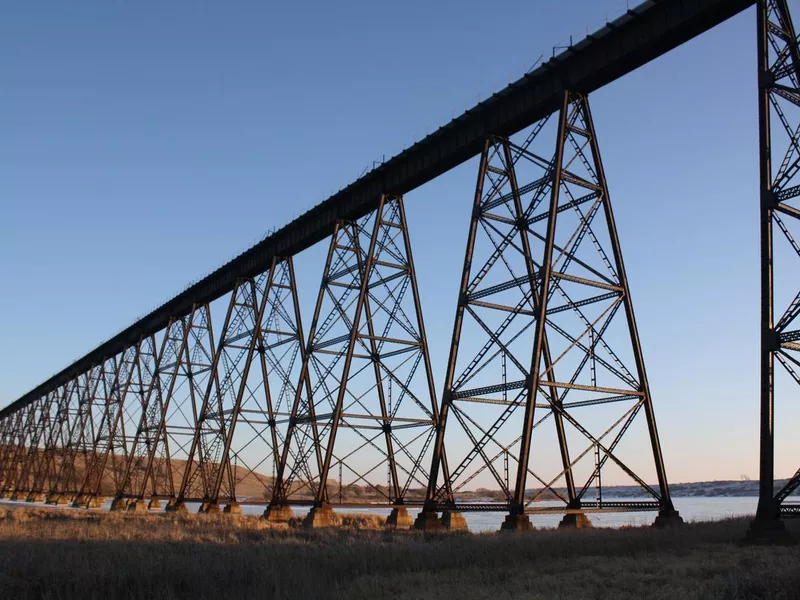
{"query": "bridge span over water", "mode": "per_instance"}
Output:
(222, 396)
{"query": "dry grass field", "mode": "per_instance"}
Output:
(62, 554)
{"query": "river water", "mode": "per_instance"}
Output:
(691, 509)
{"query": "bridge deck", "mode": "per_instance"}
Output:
(641, 35)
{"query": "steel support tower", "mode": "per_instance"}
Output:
(544, 337)
(779, 164)
(364, 408)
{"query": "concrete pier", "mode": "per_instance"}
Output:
(139, 506)
(321, 516)
(454, 520)
(232, 508)
(399, 519)
(174, 506)
(120, 504)
(428, 521)
(277, 513)
(668, 518)
(517, 522)
(575, 521)
(208, 508)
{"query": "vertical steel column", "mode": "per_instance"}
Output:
(283, 483)
(106, 441)
(22, 455)
(173, 348)
(192, 362)
(778, 95)
(145, 367)
(322, 492)
(70, 440)
(24, 485)
(666, 510)
(767, 508)
(67, 416)
(45, 467)
(281, 488)
(518, 506)
(205, 460)
(428, 515)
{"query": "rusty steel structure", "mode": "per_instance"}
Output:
(779, 162)
(542, 291)
(545, 390)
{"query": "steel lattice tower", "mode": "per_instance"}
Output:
(545, 336)
(779, 165)
(364, 406)
(242, 421)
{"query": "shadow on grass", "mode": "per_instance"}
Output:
(99, 555)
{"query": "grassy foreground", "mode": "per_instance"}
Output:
(69, 554)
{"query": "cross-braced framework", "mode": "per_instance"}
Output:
(364, 415)
(9, 428)
(97, 425)
(546, 399)
(109, 450)
(58, 418)
(148, 472)
(184, 371)
(241, 426)
(779, 137)
(66, 448)
(16, 442)
(545, 379)
(140, 421)
(76, 454)
(28, 453)
(59, 439)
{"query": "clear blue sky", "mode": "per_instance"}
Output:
(145, 143)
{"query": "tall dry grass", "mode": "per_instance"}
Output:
(75, 554)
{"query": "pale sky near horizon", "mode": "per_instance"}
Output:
(144, 144)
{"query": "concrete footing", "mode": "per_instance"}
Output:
(668, 518)
(208, 508)
(276, 513)
(399, 519)
(321, 516)
(428, 521)
(138, 505)
(52, 499)
(35, 497)
(454, 520)
(16, 497)
(575, 521)
(120, 504)
(154, 504)
(232, 508)
(517, 522)
(769, 532)
(174, 506)
(87, 503)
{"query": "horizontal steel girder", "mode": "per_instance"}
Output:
(641, 35)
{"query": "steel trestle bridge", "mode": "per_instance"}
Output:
(221, 396)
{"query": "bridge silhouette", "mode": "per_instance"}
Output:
(545, 390)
